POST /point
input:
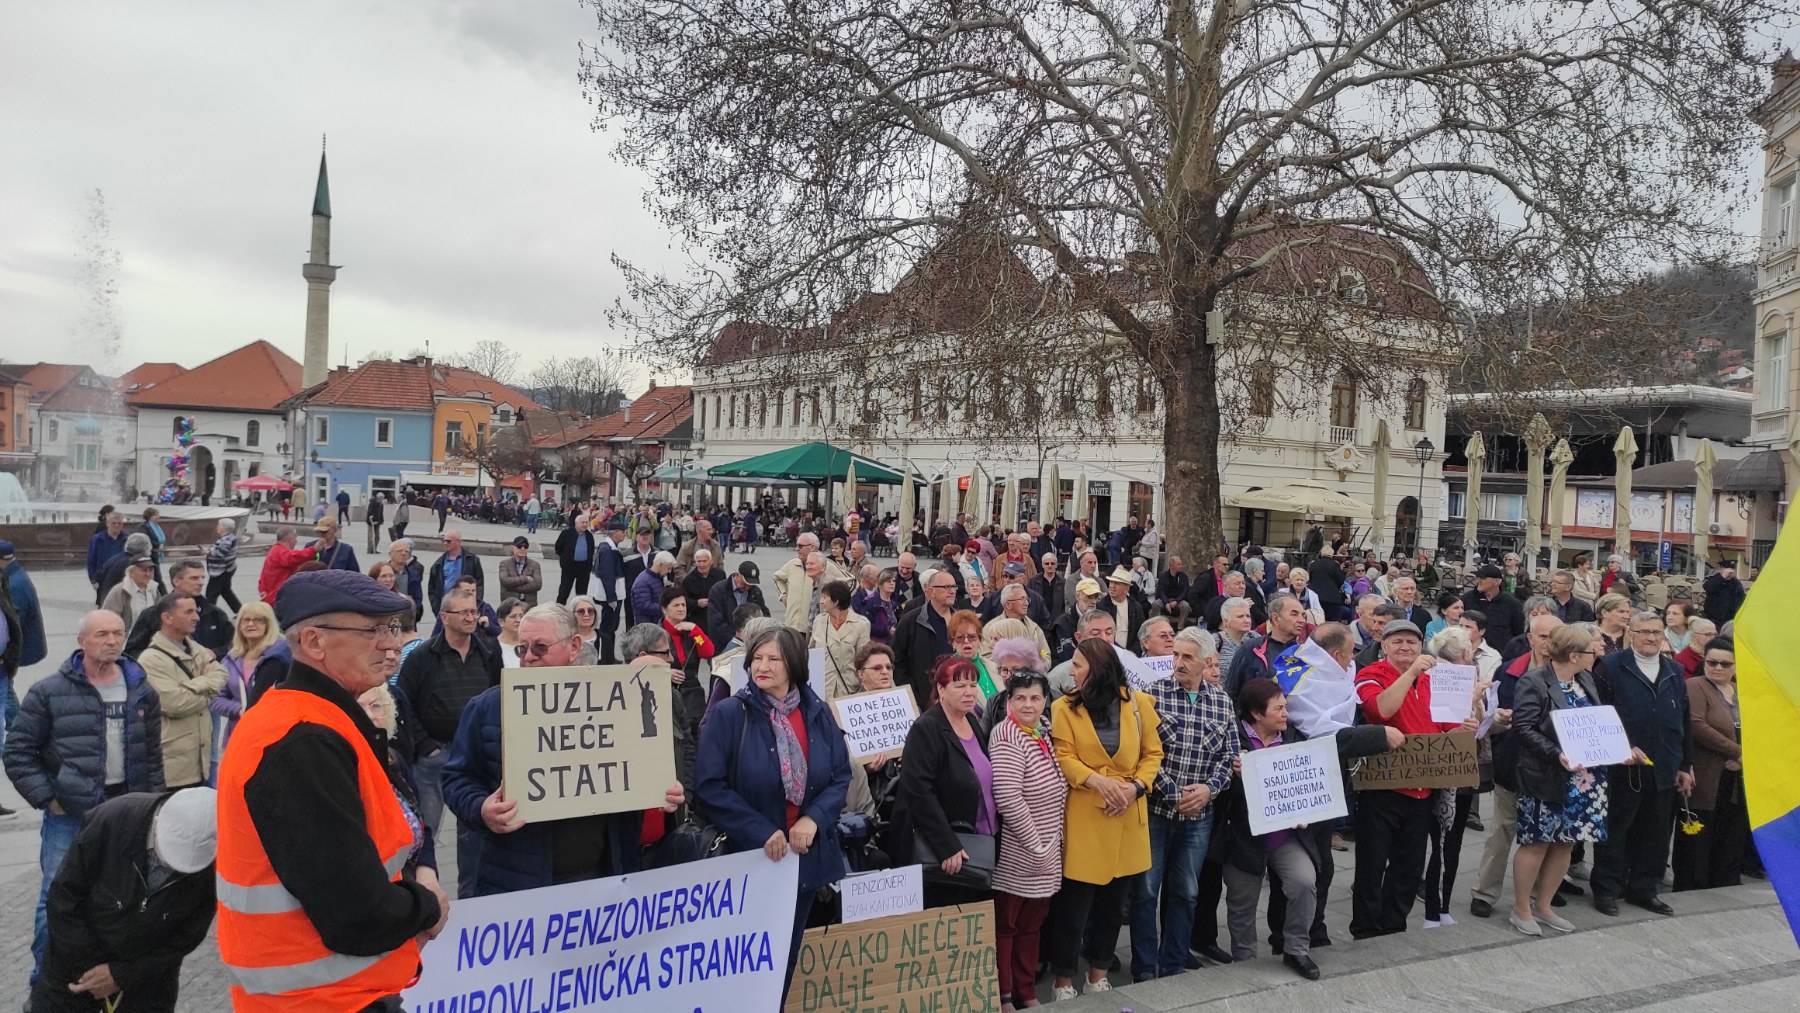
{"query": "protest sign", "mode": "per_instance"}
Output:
(880, 894)
(1591, 736)
(1452, 693)
(584, 740)
(1442, 760)
(704, 936)
(817, 666)
(941, 959)
(875, 724)
(1140, 672)
(1285, 786)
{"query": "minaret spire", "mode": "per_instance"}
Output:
(319, 273)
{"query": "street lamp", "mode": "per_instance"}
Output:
(1422, 450)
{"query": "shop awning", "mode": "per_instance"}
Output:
(1301, 497)
(431, 480)
(811, 463)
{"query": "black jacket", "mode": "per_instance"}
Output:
(471, 567)
(56, 748)
(1723, 597)
(938, 789)
(1505, 616)
(1136, 612)
(214, 632)
(1535, 697)
(1054, 594)
(302, 804)
(1326, 579)
(99, 912)
(907, 590)
(917, 647)
(1575, 611)
(1231, 839)
(697, 585)
(565, 546)
(436, 690)
(1655, 715)
(721, 602)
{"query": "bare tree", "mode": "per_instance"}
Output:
(503, 451)
(1307, 170)
(490, 358)
(590, 384)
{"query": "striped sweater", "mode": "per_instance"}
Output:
(1030, 793)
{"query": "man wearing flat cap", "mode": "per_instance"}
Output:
(315, 909)
(1505, 615)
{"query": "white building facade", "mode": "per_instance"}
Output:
(228, 446)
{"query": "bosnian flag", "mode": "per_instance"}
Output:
(1321, 695)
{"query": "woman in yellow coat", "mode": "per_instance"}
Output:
(1109, 751)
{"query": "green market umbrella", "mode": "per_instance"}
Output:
(812, 463)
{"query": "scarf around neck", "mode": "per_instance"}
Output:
(787, 747)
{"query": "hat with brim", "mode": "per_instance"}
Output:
(1087, 585)
(1120, 575)
(1398, 626)
(185, 830)
(326, 524)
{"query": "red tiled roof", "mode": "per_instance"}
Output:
(56, 386)
(409, 385)
(656, 414)
(256, 377)
(149, 374)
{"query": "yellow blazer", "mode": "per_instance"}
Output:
(1098, 848)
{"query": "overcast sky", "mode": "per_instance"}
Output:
(470, 197)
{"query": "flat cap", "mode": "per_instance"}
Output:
(1400, 626)
(521, 542)
(319, 592)
(1489, 572)
(1013, 570)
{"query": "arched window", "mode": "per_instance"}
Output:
(1343, 401)
(1262, 390)
(252, 433)
(1415, 403)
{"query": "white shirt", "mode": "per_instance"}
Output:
(1650, 666)
(1121, 620)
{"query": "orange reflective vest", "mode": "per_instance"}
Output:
(266, 940)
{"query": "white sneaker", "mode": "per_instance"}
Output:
(1100, 986)
(1432, 923)
(1061, 992)
(1445, 919)
(1579, 872)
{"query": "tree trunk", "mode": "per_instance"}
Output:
(1191, 509)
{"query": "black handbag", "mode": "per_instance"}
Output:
(977, 870)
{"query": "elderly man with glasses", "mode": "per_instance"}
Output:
(516, 855)
(316, 910)
(436, 682)
(923, 633)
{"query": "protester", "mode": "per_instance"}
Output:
(1198, 731)
(295, 760)
(575, 557)
(521, 576)
(1570, 607)
(1505, 619)
(436, 683)
(133, 897)
(1127, 611)
(516, 855)
(688, 646)
(256, 635)
(1701, 631)
(946, 807)
(113, 572)
(88, 733)
(1451, 805)
(221, 565)
(1652, 701)
(593, 639)
(1030, 795)
(452, 566)
(879, 603)
(374, 514)
(1675, 627)
(1393, 827)
(1450, 612)
(330, 550)
(1561, 803)
(510, 613)
(187, 676)
(647, 589)
(1724, 594)
(774, 771)
(1713, 855)
(134, 594)
(1256, 659)
(1619, 580)
(105, 543)
(1108, 749)
(1293, 856)
(724, 598)
(923, 634)
(1614, 619)
(698, 577)
(840, 632)
(409, 574)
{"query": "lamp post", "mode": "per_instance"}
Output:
(1422, 451)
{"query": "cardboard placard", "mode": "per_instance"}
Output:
(1439, 760)
(1293, 784)
(1141, 671)
(875, 724)
(940, 959)
(1591, 736)
(579, 741)
(709, 935)
(1452, 692)
(882, 893)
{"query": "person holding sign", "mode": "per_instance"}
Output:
(1031, 795)
(1109, 750)
(1560, 802)
(1294, 855)
(774, 770)
(947, 790)
(516, 855)
(1393, 827)
(1452, 645)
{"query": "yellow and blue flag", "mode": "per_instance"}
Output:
(1768, 674)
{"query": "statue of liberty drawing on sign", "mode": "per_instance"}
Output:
(646, 704)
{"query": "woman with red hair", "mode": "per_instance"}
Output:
(947, 810)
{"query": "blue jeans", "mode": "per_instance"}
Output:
(531, 523)
(1177, 847)
(58, 836)
(9, 704)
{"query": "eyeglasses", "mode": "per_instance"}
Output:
(460, 612)
(1720, 663)
(393, 629)
(584, 612)
(533, 650)
(966, 638)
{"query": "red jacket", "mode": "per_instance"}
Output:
(279, 566)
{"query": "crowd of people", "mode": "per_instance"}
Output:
(340, 737)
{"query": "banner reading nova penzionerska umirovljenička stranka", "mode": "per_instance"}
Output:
(699, 937)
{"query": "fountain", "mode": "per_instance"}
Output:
(57, 534)
(14, 507)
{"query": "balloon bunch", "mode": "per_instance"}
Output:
(178, 461)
